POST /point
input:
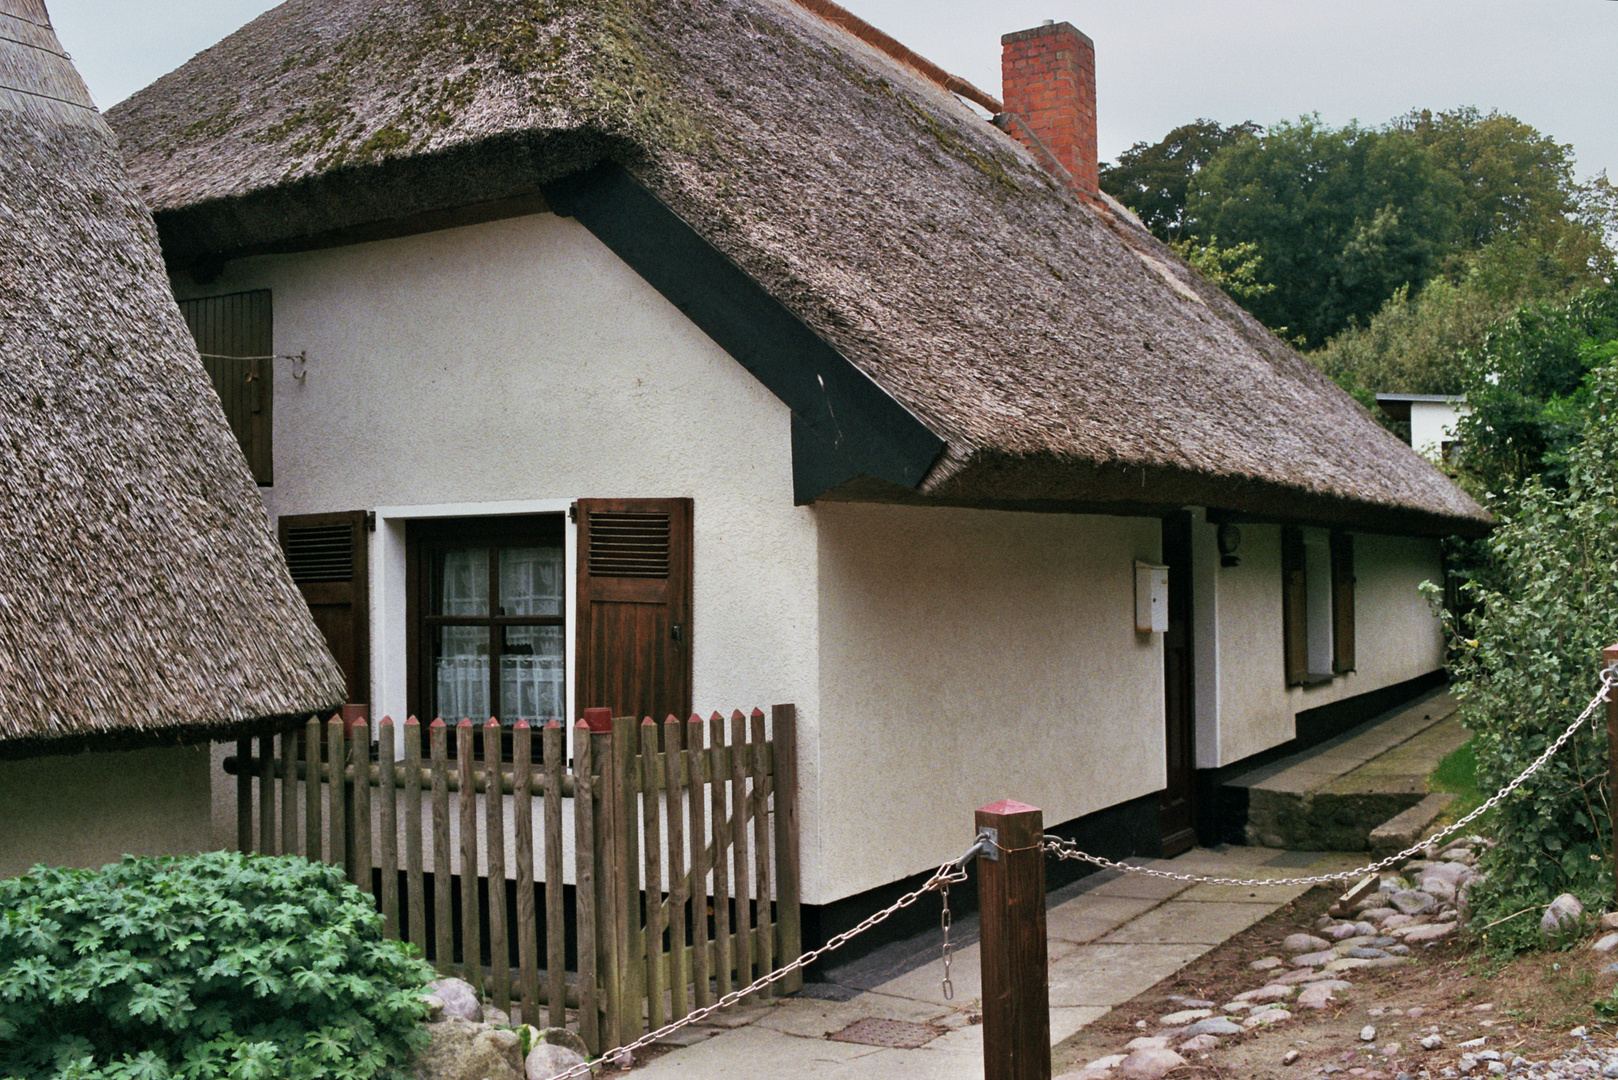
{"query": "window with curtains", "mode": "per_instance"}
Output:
(488, 618)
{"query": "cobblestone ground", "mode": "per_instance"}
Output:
(1314, 972)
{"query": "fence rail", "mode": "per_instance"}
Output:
(683, 855)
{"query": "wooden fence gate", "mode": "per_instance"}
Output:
(682, 846)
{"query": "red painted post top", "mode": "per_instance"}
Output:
(1610, 654)
(598, 720)
(1009, 806)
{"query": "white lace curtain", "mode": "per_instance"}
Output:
(532, 661)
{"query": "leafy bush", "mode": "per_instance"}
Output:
(1546, 606)
(207, 966)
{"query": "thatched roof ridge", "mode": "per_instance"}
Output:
(143, 599)
(1063, 354)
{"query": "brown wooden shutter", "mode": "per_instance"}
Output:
(235, 334)
(1342, 602)
(633, 639)
(1295, 605)
(328, 557)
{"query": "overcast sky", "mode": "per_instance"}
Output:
(1159, 63)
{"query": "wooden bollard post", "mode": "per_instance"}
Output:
(1011, 904)
(1609, 657)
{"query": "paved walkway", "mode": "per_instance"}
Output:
(1111, 935)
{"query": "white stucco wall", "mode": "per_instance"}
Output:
(1396, 634)
(969, 656)
(1433, 423)
(515, 366)
(91, 809)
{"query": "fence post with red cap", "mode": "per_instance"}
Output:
(1011, 904)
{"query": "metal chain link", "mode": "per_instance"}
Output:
(941, 879)
(944, 920)
(1066, 849)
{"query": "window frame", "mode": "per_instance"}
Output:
(424, 537)
(1317, 600)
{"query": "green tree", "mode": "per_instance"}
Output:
(1340, 219)
(1416, 343)
(1509, 177)
(1152, 178)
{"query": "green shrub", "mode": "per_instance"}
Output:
(1546, 605)
(202, 967)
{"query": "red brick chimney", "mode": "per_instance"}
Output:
(1048, 76)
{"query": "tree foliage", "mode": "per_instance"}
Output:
(1340, 218)
(1349, 224)
(1507, 178)
(1527, 661)
(1152, 179)
(1417, 343)
(210, 966)
(1528, 390)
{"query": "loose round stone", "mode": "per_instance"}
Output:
(1303, 943)
(1184, 1016)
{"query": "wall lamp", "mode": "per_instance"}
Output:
(1229, 538)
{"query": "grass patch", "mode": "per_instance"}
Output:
(1458, 774)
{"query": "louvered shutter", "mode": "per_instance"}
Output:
(1342, 602)
(633, 640)
(1295, 605)
(327, 554)
(235, 334)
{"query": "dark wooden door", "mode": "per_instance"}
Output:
(633, 641)
(327, 554)
(1178, 821)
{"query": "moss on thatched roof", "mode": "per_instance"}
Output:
(142, 597)
(1065, 357)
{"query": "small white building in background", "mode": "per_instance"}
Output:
(900, 399)
(1434, 420)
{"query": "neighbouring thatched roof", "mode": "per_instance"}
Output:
(142, 597)
(1065, 357)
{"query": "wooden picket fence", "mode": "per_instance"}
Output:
(684, 858)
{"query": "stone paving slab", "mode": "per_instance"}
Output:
(1112, 974)
(811, 1018)
(1093, 915)
(1138, 886)
(1190, 921)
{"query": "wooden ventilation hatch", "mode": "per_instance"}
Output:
(320, 552)
(633, 642)
(629, 545)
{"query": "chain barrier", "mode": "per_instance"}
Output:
(948, 984)
(1066, 849)
(942, 878)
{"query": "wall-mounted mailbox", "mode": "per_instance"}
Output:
(1151, 598)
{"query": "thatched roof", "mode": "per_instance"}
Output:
(142, 597)
(1064, 356)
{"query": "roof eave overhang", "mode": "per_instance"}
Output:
(178, 733)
